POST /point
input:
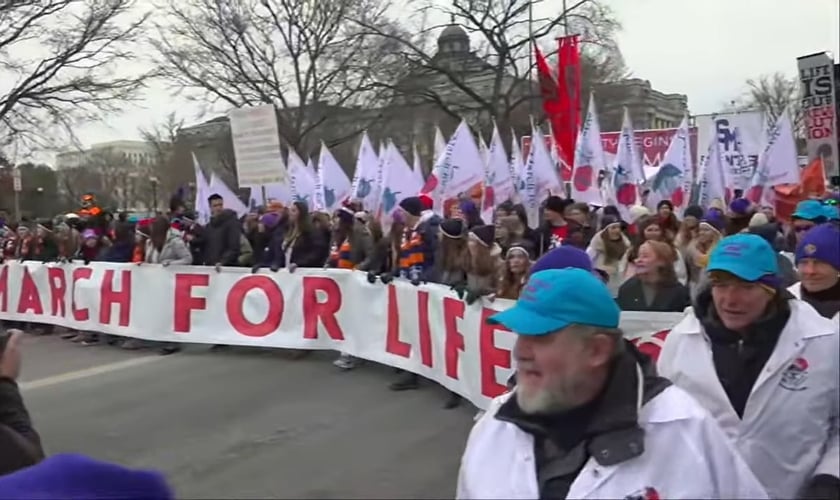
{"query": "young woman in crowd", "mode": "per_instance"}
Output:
(351, 242)
(268, 241)
(484, 263)
(667, 220)
(818, 263)
(515, 270)
(304, 245)
(689, 227)
(654, 287)
(166, 247)
(384, 254)
(650, 230)
(709, 232)
(453, 255)
(606, 250)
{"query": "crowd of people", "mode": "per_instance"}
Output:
(756, 285)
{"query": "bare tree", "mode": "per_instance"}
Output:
(302, 56)
(496, 78)
(772, 94)
(62, 61)
(165, 175)
(105, 173)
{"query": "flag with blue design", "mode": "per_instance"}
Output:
(397, 183)
(301, 180)
(332, 186)
(363, 185)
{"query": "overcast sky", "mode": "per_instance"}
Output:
(704, 49)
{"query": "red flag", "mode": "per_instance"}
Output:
(566, 124)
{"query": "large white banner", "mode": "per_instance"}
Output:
(425, 329)
(256, 146)
(740, 138)
(816, 79)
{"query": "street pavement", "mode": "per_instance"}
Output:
(246, 423)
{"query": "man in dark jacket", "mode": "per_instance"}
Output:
(20, 445)
(221, 237)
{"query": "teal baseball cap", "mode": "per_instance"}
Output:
(556, 298)
(812, 210)
(747, 256)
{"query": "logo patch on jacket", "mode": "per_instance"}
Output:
(647, 493)
(795, 375)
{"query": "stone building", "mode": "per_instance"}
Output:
(120, 173)
(427, 97)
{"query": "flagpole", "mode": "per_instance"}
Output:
(565, 20)
(531, 54)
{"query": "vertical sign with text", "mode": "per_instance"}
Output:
(817, 99)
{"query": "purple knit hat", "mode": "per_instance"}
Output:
(270, 219)
(561, 258)
(715, 219)
(740, 207)
(821, 243)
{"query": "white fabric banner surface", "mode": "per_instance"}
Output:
(425, 329)
(741, 138)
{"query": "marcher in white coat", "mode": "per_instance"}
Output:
(589, 417)
(818, 263)
(766, 366)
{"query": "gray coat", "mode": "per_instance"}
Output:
(174, 251)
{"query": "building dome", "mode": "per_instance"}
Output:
(453, 40)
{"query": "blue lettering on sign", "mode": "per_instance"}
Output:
(727, 136)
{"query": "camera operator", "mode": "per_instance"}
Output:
(20, 445)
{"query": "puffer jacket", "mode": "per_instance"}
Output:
(174, 251)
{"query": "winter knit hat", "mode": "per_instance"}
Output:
(89, 234)
(453, 228)
(561, 258)
(412, 205)
(758, 219)
(695, 211)
(740, 207)
(270, 219)
(468, 207)
(637, 212)
(665, 203)
(427, 201)
(609, 220)
(486, 235)
(70, 476)
(821, 243)
(345, 215)
(713, 219)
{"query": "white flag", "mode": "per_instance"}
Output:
(333, 186)
(711, 176)
(539, 177)
(397, 183)
(302, 181)
(673, 179)
(777, 163)
(217, 186)
(589, 159)
(458, 169)
(202, 192)
(517, 165)
(417, 169)
(498, 185)
(439, 145)
(626, 173)
(364, 177)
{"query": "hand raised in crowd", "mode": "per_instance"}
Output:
(10, 360)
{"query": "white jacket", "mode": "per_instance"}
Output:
(796, 291)
(789, 432)
(686, 455)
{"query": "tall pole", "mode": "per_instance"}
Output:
(565, 20)
(531, 57)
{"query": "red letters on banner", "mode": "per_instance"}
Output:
(4, 289)
(80, 273)
(185, 303)
(325, 311)
(453, 310)
(236, 298)
(424, 329)
(58, 289)
(29, 299)
(491, 356)
(393, 344)
(109, 297)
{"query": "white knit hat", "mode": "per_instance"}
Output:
(758, 219)
(637, 212)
